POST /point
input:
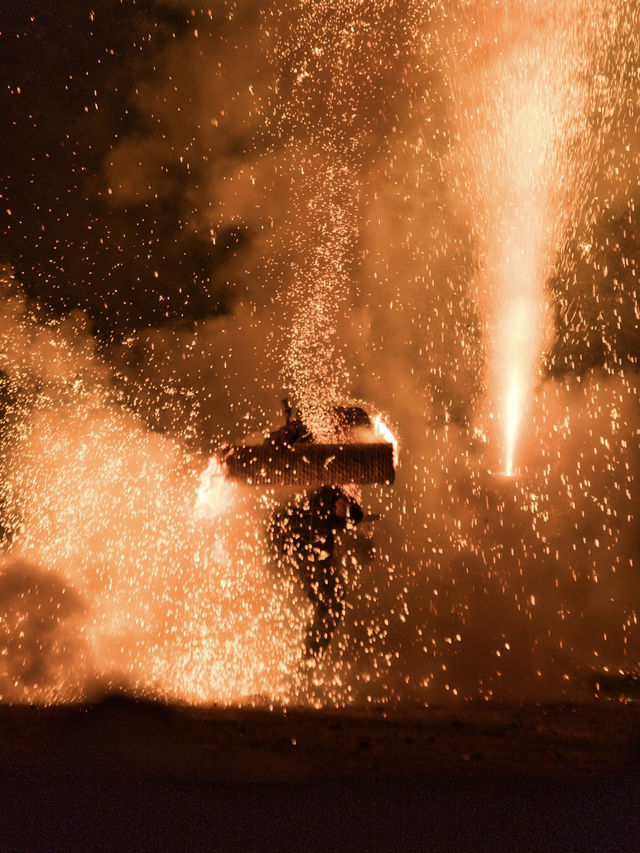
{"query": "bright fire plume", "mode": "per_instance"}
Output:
(534, 118)
(122, 567)
(154, 575)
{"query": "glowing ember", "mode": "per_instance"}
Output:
(139, 589)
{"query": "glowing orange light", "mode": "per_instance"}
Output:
(382, 431)
(215, 494)
(511, 425)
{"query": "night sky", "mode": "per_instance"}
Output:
(73, 78)
(106, 156)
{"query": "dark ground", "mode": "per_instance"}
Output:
(125, 775)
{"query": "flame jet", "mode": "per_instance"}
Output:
(533, 116)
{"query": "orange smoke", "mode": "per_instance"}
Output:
(165, 563)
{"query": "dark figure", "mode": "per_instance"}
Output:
(292, 431)
(304, 538)
(345, 419)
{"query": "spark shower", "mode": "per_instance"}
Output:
(425, 192)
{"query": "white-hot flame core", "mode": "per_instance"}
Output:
(382, 431)
(511, 428)
(215, 493)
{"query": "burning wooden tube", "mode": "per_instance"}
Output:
(310, 464)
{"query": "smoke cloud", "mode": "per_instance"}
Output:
(115, 524)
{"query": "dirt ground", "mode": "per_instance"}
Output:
(127, 775)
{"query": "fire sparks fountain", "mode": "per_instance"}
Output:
(440, 211)
(537, 92)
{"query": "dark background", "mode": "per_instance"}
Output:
(130, 775)
(77, 83)
(69, 97)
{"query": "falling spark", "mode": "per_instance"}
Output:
(215, 493)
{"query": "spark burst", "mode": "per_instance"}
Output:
(157, 553)
(128, 561)
(534, 120)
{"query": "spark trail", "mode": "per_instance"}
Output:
(537, 86)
